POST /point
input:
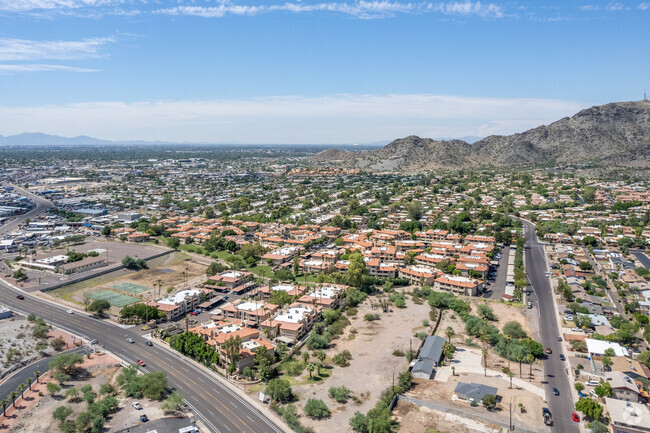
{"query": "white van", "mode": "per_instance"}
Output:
(592, 383)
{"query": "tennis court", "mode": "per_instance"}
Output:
(131, 288)
(113, 298)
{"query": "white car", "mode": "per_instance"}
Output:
(592, 383)
(69, 311)
(136, 405)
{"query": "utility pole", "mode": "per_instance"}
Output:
(510, 422)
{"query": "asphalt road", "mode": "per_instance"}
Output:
(221, 409)
(555, 371)
(11, 384)
(41, 206)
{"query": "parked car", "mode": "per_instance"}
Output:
(141, 363)
(143, 418)
(69, 311)
(556, 391)
(193, 313)
(136, 405)
(575, 417)
(559, 338)
(592, 383)
(562, 358)
(593, 393)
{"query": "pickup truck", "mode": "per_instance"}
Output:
(548, 419)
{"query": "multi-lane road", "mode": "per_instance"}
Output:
(220, 408)
(41, 206)
(556, 371)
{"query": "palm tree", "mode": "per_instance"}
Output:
(321, 356)
(485, 355)
(449, 333)
(520, 357)
(305, 357)
(37, 374)
(187, 323)
(4, 404)
(508, 338)
(13, 395)
(530, 358)
(22, 387)
(311, 367)
(510, 374)
(453, 370)
(28, 382)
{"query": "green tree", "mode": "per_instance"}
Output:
(316, 409)
(173, 403)
(279, 390)
(513, 329)
(340, 394)
(449, 333)
(99, 306)
(71, 393)
(53, 388)
(415, 210)
(589, 408)
(356, 270)
(489, 401)
(66, 363)
(604, 390)
(61, 413)
(485, 312)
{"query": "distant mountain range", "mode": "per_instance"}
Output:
(616, 134)
(40, 139)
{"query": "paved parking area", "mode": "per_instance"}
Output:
(164, 425)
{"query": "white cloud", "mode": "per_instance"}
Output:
(469, 8)
(615, 7)
(290, 119)
(22, 49)
(30, 5)
(360, 9)
(644, 6)
(590, 7)
(41, 67)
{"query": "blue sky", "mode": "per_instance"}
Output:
(310, 71)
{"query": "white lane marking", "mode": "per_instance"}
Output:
(203, 418)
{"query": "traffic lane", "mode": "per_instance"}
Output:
(554, 369)
(11, 384)
(192, 382)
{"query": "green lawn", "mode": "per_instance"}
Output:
(306, 279)
(262, 271)
(223, 255)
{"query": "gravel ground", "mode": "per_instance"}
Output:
(373, 363)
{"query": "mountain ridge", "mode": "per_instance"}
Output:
(616, 133)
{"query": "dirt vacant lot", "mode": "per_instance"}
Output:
(373, 364)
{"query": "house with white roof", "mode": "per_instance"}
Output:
(598, 347)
